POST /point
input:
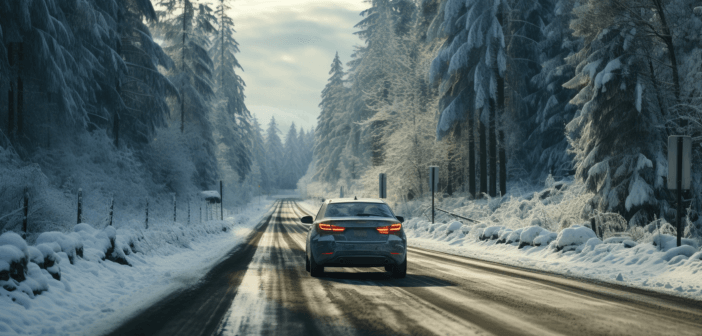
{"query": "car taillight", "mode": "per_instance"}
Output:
(331, 228)
(390, 229)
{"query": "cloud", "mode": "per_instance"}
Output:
(286, 50)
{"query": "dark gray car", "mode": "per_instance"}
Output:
(356, 233)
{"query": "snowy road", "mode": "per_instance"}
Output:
(263, 288)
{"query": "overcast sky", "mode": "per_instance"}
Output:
(287, 47)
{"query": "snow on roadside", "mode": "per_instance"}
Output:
(95, 294)
(575, 251)
(516, 231)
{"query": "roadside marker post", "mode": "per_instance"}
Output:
(221, 201)
(383, 185)
(341, 192)
(679, 155)
(433, 186)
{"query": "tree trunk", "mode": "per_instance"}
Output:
(471, 152)
(500, 112)
(668, 40)
(20, 105)
(11, 110)
(501, 134)
(182, 88)
(493, 150)
(483, 158)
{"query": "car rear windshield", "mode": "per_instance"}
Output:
(358, 210)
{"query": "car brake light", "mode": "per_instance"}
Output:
(390, 229)
(331, 228)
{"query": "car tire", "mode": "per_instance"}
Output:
(315, 270)
(400, 271)
(307, 264)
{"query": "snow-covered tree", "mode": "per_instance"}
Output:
(232, 117)
(187, 29)
(546, 145)
(614, 137)
(274, 154)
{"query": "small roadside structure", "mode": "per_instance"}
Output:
(212, 198)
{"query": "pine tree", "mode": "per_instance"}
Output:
(614, 135)
(274, 154)
(471, 68)
(329, 143)
(233, 118)
(187, 29)
(546, 145)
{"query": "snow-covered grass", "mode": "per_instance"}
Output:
(577, 252)
(84, 291)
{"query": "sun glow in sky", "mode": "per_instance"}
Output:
(286, 50)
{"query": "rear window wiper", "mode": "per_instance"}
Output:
(365, 214)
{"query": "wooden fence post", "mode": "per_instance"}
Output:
(112, 209)
(26, 212)
(147, 213)
(80, 206)
(174, 207)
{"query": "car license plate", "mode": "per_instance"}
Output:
(360, 233)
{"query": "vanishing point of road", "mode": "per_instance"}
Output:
(262, 288)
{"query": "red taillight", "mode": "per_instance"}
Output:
(390, 229)
(331, 228)
(328, 253)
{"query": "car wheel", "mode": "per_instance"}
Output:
(307, 263)
(315, 270)
(400, 271)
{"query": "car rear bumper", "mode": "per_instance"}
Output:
(359, 254)
(346, 260)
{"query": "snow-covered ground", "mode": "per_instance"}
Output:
(93, 294)
(669, 269)
(542, 228)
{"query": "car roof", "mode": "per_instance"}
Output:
(351, 200)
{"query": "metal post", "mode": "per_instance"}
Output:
(26, 211)
(112, 209)
(221, 201)
(432, 198)
(678, 215)
(80, 205)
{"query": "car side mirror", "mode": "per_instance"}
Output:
(307, 220)
(400, 218)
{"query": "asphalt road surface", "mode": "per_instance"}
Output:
(263, 288)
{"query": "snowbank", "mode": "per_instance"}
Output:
(574, 251)
(88, 280)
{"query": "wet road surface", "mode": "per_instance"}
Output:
(262, 288)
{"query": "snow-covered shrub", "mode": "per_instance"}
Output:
(61, 242)
(545, 239)
(684, 250)
(589, 245)
(491, 233)
(529, 234)
(504, 233)
(513, 237)
(666, 242)
(573, 236)
(609, 224)
(453, 226)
